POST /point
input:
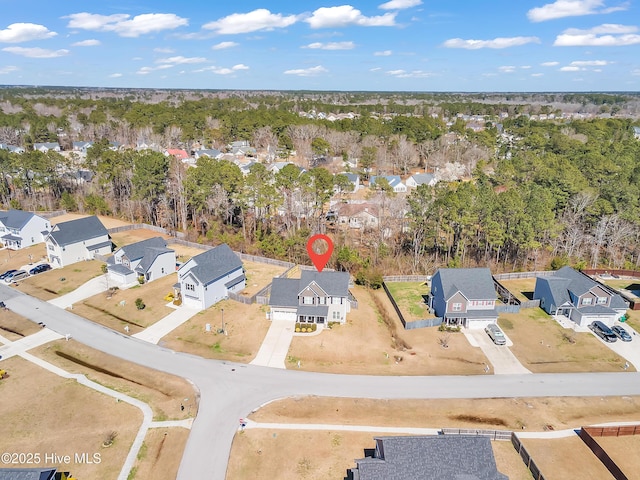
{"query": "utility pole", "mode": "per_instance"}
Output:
(223, 330)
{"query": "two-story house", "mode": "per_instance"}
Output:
(208, 277)
(147, 260)
(316, 297)
(464, 296)
(578, 297)
(20, 229)
(77, 240)
(358, 215)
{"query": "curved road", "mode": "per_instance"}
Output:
(230, 391)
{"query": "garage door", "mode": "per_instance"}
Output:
(283, 315)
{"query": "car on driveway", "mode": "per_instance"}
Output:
(7, 273)
(43, 267)
(15, 276)
(621, 333)
(495, 334)
(604, 332)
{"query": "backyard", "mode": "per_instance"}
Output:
(411, 298)
(543, 346)
(521, 288)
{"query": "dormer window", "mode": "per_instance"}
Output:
(602, 300)
(587, 301)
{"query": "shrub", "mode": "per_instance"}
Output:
(140, 304)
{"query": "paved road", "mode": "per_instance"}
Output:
(231, 391)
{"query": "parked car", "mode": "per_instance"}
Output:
(43, 267)
(15, 276)
(7, 273)
(621, 333)
(604, 332)
(495, 334)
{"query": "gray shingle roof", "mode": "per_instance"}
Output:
(137, 250)
(436, 457)
(27, 473)
(579, 284)
(74, 231)
(474, 283)
(215, 263)
(284, 291)
(422, 178)
(15, 218)
(120, 269)
(559, 288)
(149, 257)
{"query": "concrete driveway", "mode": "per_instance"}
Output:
(275, 346)
(166, 325)
(503, 361)
(630, 351)
(89, 289)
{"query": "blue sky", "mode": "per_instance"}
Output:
(399, 45)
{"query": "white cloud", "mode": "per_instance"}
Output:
(8, 69)
(24, 32)
(331, 46)
(411, 74)
(36, 52)
(525, 67)
(636, 72)
(507, 69)
(260, 19)
(384, 53)
(86, 43)
(148, 70)
(115, 75)
(307, 72)
(590, 63)
(164, 50)
(570, 69)
(501, 42)
(224, 45)
(570, 8)
(223, 70)
(180, 60)
(124, 25)
(375, 69)
(399, 4)
(346, 15)
(606, 35)
(537, 74)
(550, 64)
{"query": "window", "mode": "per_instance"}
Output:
(190, 287)
(307, 300)
(602, 300)
(587, 301)
(162, 270)
(456, 307)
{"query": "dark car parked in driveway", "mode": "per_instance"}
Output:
(40, 268)
(603, 331)
(7, 273)
(621, 333)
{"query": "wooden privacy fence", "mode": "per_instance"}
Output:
(492, 434)
(406, 278)
(526, 458)
(599, 452)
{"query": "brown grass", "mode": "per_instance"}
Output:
(121, 239)
(20, 259)
(160, 454)
(14, 327)
(620, 450)
(522, 288)
(332, 350)
(543, 346)
(259, 275)
(246, 326)
(108, 222)
(48, 285)
(48, 414)
(163, 392)
(111, 313)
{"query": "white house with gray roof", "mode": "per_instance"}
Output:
(148, 259)
(464, 296)
(578, 297)
(77, 240)
(394, 181)
(316, 297)
(209, 277)
(418, 179)
(20, 229)
(441, 457)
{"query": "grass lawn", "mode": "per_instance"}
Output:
(333, 350)
(47, 413)
(163, 392)
(618, 449)
(60, 281)
(259, 275)
(14, 327)
(566, 458)
(108, 222)
(121, 239)
(160, 454)
(543, 346)
(246, 326)
(618, 282)
(110, 311)
(522, 288)
(633, 319)
(410, 297)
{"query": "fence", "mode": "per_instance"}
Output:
(407, 278)
(492, 434)
(395, 305)
(615, 431)
(508, 308)
(518, 275)
(599, 452)
(146, 226)
(616, 273)
(424, 323)
(52, 214)
(526, 458)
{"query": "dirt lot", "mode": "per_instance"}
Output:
(164, 393)
(623, 451)
(281, 454)
(246, 326)
(48, 414)
(108, 222)
(14, 327)
(59, 281)
(160, 454)
(522, 288)
(332, 350)
(566, 458)
(109, 311)
(410, 298)
(543, 346)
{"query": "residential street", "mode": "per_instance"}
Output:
(231, 391)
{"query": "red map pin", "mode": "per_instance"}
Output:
(320, 259)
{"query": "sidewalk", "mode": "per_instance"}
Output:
(27, 343)
(163, 327)
(275, 346)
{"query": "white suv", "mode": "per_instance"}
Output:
(495, 334)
